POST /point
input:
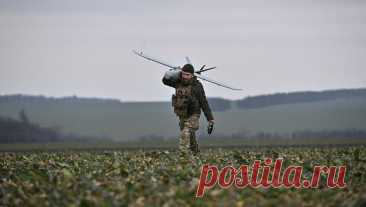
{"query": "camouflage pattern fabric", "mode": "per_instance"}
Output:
(187, 142)
(199, 96)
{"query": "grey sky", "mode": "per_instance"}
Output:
(83, 47)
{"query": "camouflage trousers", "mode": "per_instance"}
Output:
(187, 141)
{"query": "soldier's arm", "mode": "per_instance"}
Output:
(203, 102)
(171, 78)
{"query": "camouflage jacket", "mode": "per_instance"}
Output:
(198, 95)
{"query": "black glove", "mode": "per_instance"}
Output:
(210, 127)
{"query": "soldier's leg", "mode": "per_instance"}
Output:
(184, 139)
(194, 126)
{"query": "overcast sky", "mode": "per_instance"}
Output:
(83, 47)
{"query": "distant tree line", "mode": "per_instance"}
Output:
(271, 137)
(297, 138)
(24, 131)
(216, 104)
(350, 133)
(302, 134)
(298, 97)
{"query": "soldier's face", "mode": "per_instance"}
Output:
(186, 76)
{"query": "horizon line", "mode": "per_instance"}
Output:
(126, 101)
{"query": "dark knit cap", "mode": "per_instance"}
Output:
(188, 68)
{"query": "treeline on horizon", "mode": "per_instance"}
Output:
(298, 97)
(345, 134)
(216, 103)
(24, 131)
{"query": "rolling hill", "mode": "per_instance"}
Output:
(130, 120)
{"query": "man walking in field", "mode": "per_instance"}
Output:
(188, 100)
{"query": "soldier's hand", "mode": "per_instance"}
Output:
(210, 126)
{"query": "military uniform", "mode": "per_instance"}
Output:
(188, 100)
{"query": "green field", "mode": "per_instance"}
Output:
(129, 120)
(158, 178)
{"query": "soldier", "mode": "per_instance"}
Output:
(188, 100)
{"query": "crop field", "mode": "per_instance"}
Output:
(159, 178)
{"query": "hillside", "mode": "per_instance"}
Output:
(130, 120)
